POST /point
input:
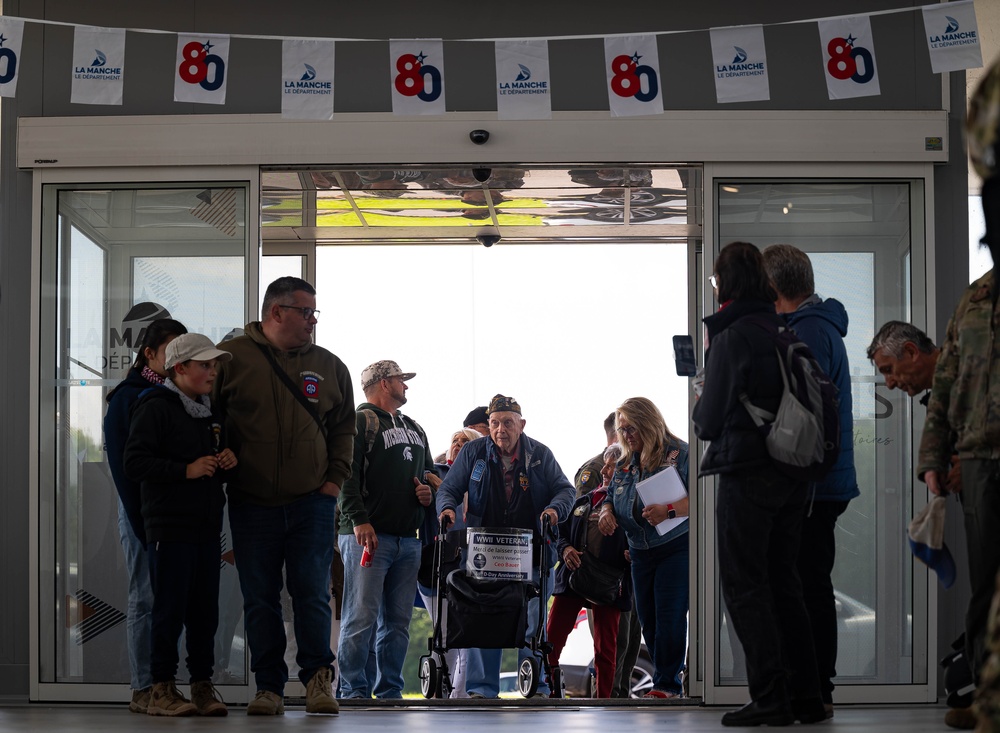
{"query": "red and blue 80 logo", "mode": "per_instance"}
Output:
(417, 79)
(628, 78)
(8, 62)
(844, 57)
(194, 69)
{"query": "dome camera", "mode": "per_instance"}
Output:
(479, 137)
(482, 174)
(488, 240)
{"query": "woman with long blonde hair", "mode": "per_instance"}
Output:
(659, 562)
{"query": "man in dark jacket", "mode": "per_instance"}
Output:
(822, 325)
(512, 481)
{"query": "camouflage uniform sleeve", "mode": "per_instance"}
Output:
(588, 476)
(938, 437)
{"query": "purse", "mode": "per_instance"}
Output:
(596, 581)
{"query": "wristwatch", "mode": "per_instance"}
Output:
(671, 514)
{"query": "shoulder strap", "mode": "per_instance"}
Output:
(371, 428)
(287, 381)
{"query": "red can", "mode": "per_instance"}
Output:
(366, 558)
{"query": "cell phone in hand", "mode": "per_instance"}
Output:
(684, 356)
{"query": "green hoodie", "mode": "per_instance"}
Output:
(282, 453)
(381, 491)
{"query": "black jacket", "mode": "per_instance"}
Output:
(573, 531)
(162, 440)
(740, 359)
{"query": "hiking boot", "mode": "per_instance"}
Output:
(207, 699)
(140, 701)
(266, 702)
(166, 699)
(319, 693)
(963, 718)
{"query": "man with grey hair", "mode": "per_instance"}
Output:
(289, 407)
(906, 357)
(822, 325)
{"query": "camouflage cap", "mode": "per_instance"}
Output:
(499, 403)
(982, 123)
(385, 369)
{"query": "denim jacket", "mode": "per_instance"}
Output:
(470, 473)
(622, 495)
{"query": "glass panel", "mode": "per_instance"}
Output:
(858, 237)
(121, 258)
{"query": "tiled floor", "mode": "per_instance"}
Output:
(466, 717)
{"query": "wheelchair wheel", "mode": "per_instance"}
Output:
(430, 678)
(556, 683)
(527, 677)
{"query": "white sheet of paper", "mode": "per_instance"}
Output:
(664, 487)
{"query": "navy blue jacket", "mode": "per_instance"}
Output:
(116, 425)
(822, 326)
(471, 472)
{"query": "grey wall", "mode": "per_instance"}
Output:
(363, 86)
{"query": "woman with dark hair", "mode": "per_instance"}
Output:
(659, 562)
(759, 510)
(147, 371)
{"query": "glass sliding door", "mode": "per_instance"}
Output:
(113, 260)
(865, 241)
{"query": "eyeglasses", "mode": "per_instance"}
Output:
(306, 312)
(713, 281)
(628, 431)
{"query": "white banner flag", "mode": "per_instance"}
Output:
(200, 68)
(98, 65)
(740, 64)
(417, 71)
(11, 33)
(307, 79)
(633, 68)
(952, 36)
(849, 57)
(523, 89)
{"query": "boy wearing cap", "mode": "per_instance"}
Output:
(175, 449)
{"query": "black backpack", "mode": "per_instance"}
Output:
(803, 437)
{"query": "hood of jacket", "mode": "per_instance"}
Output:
(831, 310)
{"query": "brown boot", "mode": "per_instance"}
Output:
(166, 699)
(319, 693)
(207, 699)
(266, 702)
(963, 718)
(140, 701)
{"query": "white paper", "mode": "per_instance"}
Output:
(307, 79)
(740, 64)
(98, 65)
(633, 67)
(201, 68)
(849, 57)
(523, 87)
(416, 72)
(11, 33)
(665, 487)
(952, 36)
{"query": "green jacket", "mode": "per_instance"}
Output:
(381, 491)
(282, 453)
(964, 408)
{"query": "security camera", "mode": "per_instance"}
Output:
(479, 137)
(488, 240)
(482, 174)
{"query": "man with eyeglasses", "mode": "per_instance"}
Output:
(512, 481)
(289, 407)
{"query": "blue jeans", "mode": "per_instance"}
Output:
(759, 520)
(660, 580)
(298, 536)
(483, 675)
(140, 603)
(381, 593)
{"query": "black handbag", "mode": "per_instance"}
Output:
(596, 581)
